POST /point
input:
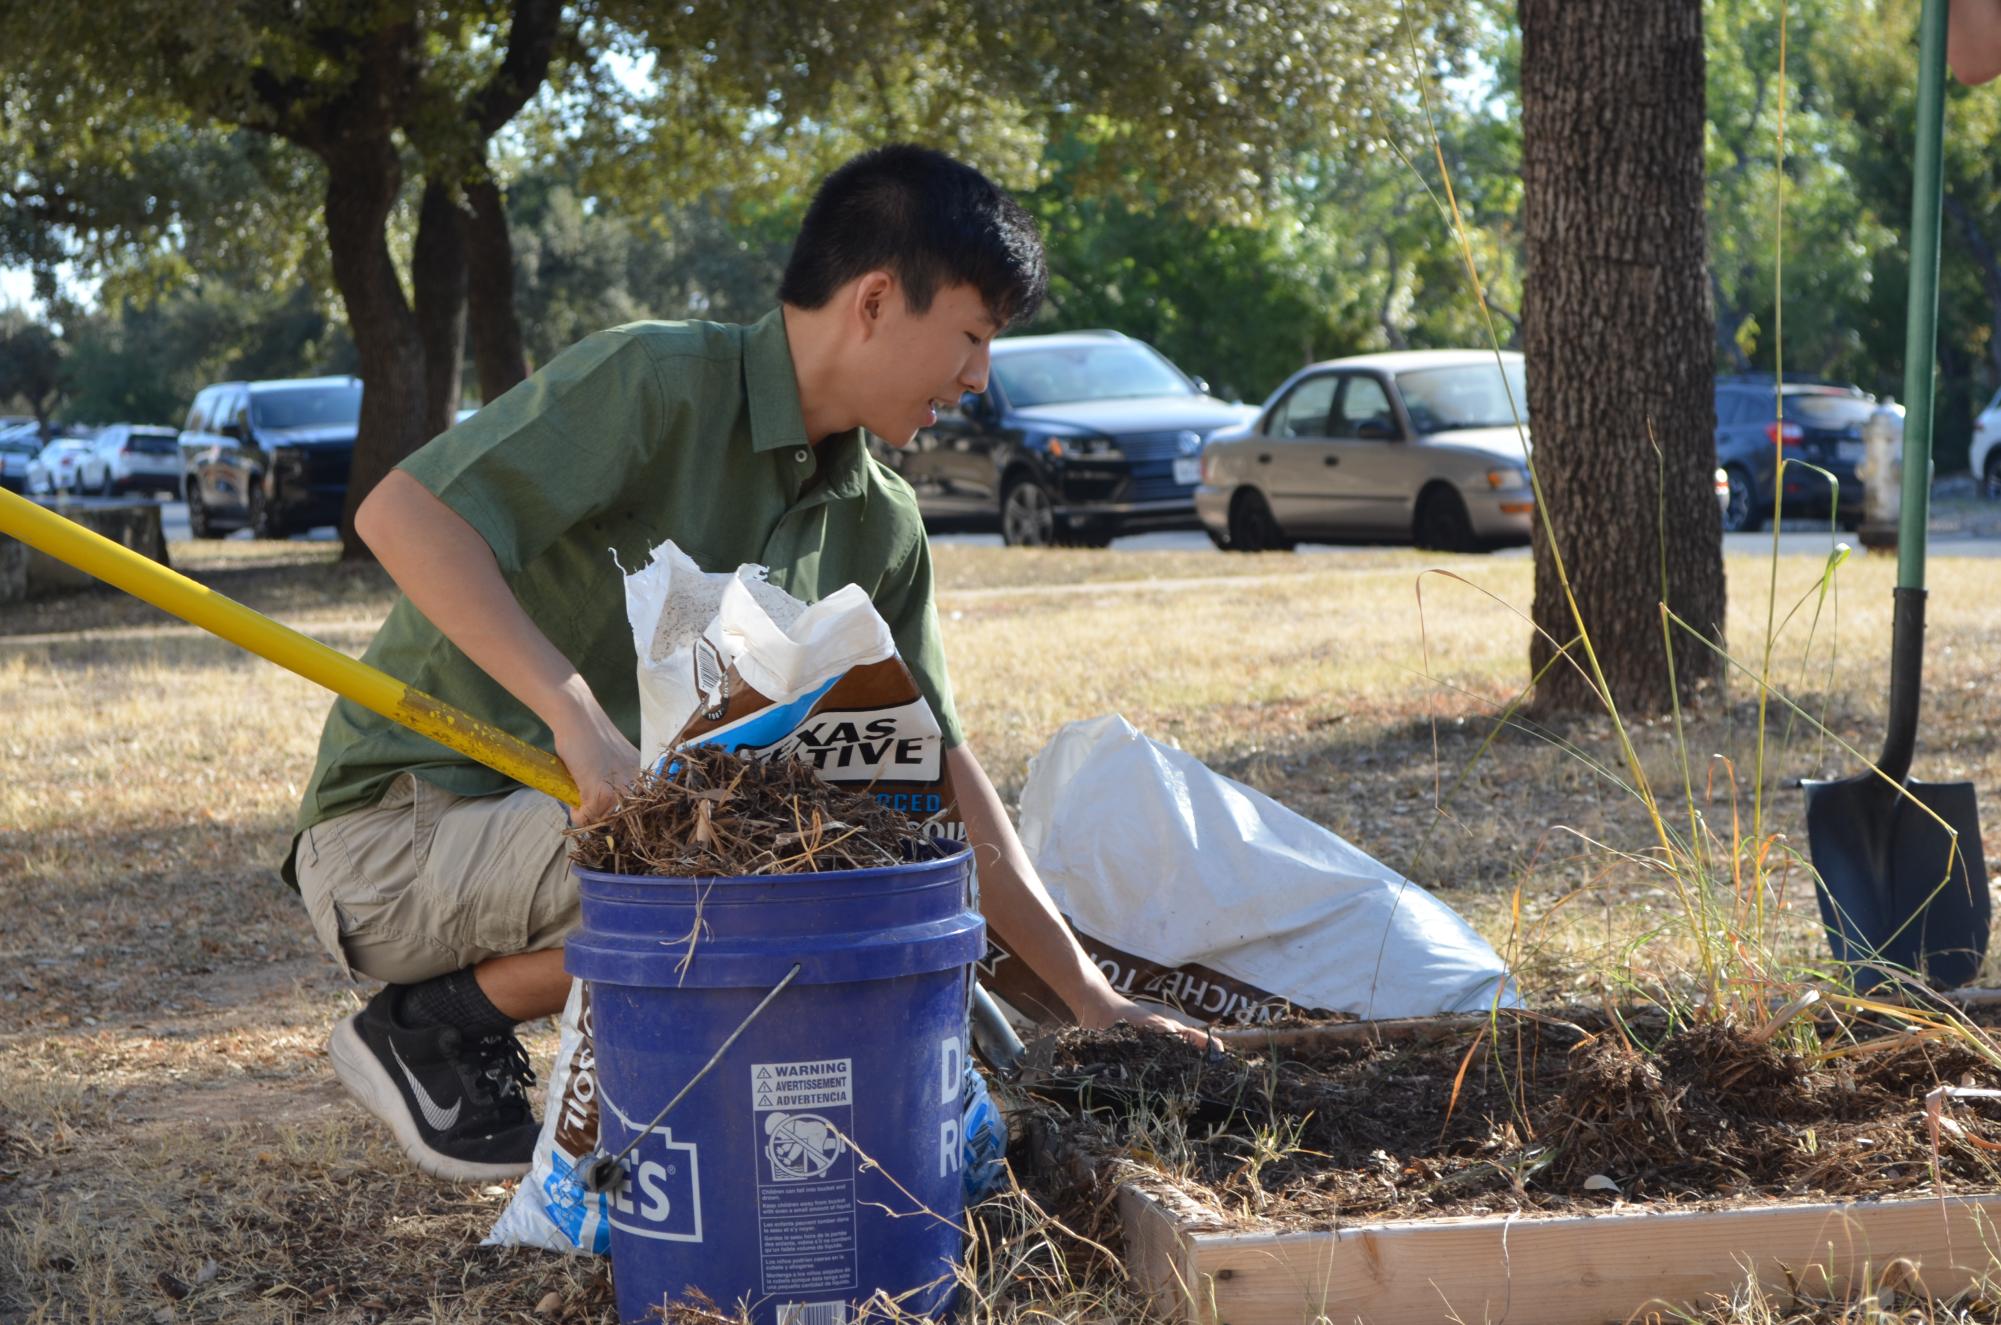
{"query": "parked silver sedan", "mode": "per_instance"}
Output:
(1419, 446)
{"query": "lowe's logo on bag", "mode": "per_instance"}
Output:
(661, 1195)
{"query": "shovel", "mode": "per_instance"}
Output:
(1903, 885)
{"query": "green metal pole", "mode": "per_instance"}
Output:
(1921, 315)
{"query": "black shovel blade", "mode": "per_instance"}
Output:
(1894, 895)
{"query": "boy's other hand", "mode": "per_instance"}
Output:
(601, 762)
(1143, 1016)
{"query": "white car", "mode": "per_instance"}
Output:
(131, 457)
(54, 470)
(1419, 446)
(1985, 458)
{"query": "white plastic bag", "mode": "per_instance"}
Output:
(1194, 889)
(550, 1209)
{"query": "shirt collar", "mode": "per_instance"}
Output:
(775, 419)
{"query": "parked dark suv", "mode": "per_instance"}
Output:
(1078, 437)
(1818, 423)
(271, 457)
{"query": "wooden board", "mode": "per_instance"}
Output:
(1569, 1270)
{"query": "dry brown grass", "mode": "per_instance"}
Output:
(172, 1143)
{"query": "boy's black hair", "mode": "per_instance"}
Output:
(931, 221)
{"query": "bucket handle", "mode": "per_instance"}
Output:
(600, 1172)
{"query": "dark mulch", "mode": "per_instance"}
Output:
(1544, 1113)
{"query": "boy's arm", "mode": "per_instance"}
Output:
(1021, 912)
(1973, 40)
(449, 573)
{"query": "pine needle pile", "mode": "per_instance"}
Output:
(714, 814)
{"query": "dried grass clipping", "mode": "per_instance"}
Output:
(713, 814)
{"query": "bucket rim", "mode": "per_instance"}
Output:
(961, 854)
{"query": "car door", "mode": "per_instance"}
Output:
(957, 465)
(237, 460)
(198, 443)
(1372, 474)
(1288, 463)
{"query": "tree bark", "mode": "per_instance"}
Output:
(438, 286)
(498, 356)
(363, 178)
(1618, 332)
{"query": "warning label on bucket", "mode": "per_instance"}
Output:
(805, 1175)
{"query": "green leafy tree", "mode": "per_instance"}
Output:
(33, 371)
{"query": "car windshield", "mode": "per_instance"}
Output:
(306, 406)
(1116, 370)
(1478, 395)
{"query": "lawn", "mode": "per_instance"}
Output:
(173, 1145)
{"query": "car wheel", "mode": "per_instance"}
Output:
(1743, 515)
(1218, 537)
(1253, 528)
(105, 487)
(198, 522)
(1993, 476)
(1441, 523)
(1028, 514)
(263, 523)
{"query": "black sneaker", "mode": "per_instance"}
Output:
(457, 1104)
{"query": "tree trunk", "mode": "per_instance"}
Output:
(496, 328)
(1617, 328)
(438, 287)
(362, 182)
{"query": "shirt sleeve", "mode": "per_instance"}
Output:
(554, 451)
(906, 602)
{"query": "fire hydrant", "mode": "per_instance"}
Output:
(1882, 475)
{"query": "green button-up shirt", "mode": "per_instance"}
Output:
(656, 430)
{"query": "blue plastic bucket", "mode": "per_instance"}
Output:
(820, 1160)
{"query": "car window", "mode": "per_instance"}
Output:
(1818, 411)
(1304, 411)
(1365, 401)
(1113, 370)
(1473, 395)
(198, 412)
(306, 406)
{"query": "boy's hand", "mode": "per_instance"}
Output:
(1144, 1016)
(601, 762)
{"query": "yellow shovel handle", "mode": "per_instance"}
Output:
(174, 593)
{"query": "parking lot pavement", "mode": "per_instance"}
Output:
(1958, 538)
(174, 522)
(1797, 538)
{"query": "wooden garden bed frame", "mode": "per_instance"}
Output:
(1580, 1269)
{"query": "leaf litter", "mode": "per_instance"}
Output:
(709, 813)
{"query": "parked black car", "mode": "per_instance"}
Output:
(272, 457)
(1817, 423)
(1078, 437)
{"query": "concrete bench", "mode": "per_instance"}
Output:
(26, 573)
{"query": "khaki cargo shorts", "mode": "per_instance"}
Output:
(424, 882)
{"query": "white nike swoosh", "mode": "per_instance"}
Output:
(439, 1119)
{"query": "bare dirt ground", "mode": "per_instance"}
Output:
(173, 1145)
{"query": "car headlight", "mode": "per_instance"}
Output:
(1085, 448)
(1508, 478)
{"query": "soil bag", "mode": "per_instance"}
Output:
(1196, 891)
(734, 660)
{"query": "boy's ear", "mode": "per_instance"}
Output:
(873, 292)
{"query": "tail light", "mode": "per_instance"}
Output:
(1784, 434)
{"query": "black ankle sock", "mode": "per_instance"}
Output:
(451, 1000)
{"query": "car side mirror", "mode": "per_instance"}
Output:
(1376, 430)
(1202, 385)
(973, 405)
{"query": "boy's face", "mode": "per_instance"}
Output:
(911, 363)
